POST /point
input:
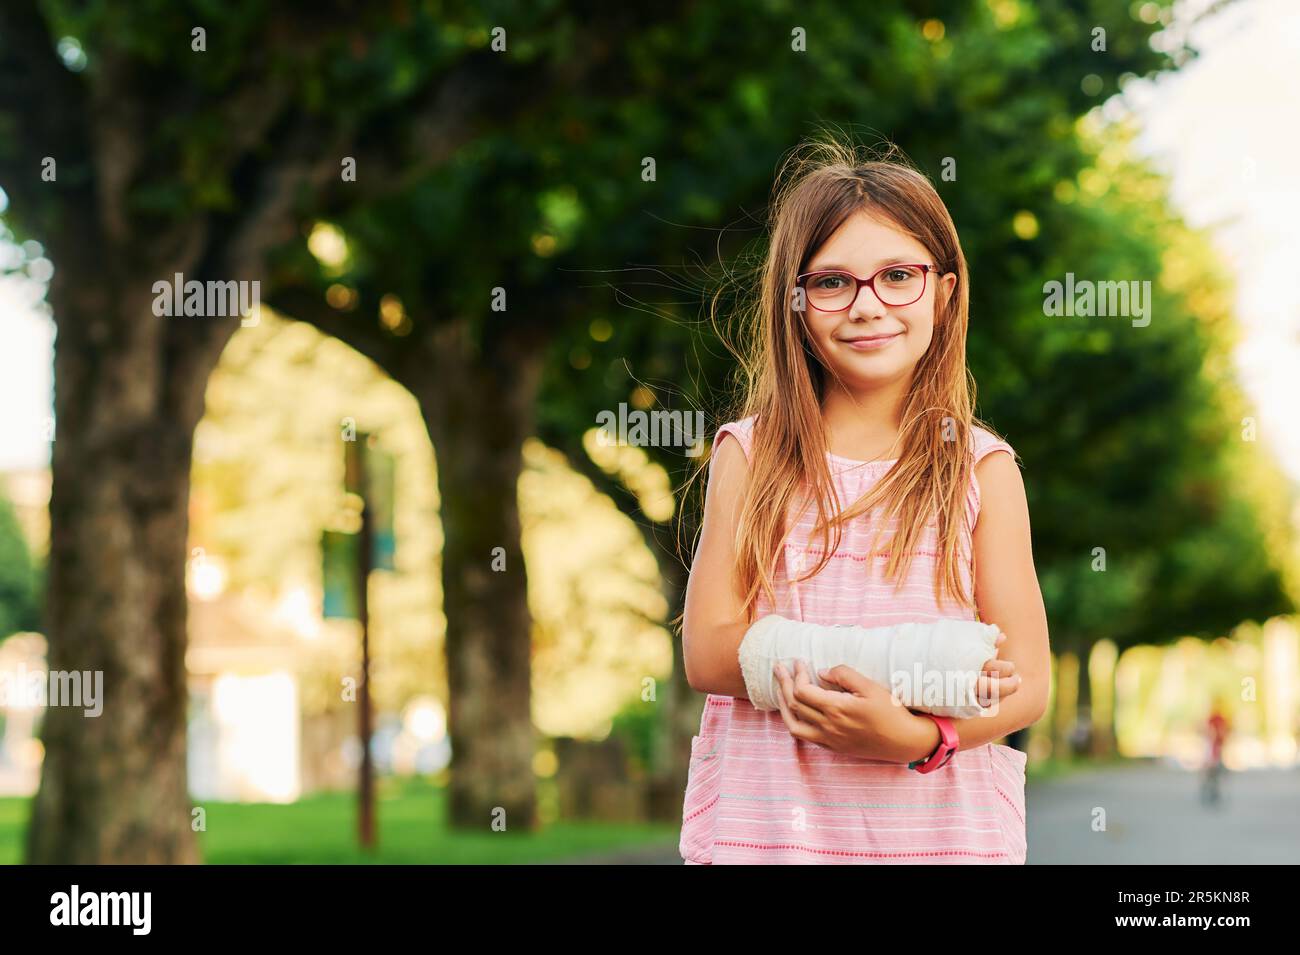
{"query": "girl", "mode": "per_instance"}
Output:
(858, 428)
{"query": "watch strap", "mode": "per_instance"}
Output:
(943, 752)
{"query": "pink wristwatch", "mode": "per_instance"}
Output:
(943, 753)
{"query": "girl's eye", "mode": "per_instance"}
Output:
(902, 275)
(828, 282)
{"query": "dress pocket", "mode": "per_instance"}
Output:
(700, 805)
(1018, 758)
(1008, 767)
(1007, 773)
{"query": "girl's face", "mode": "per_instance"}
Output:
(862, 245)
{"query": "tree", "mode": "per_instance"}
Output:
(163, 141)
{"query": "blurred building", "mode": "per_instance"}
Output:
(20, 749)
(267, 718)
(245, 733)
(29, 492)
(253, 737)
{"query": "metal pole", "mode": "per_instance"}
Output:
(366, 803)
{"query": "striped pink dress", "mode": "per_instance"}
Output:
(756, 794)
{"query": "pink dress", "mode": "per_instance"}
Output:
(756, 794)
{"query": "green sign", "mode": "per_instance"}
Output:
(339, 571)
(380, 470)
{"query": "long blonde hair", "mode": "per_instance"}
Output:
(819, 186)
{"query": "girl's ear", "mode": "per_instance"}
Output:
(946, 285)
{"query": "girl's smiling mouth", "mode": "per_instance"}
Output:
(870, 342)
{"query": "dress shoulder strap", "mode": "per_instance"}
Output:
(985, 442)
(742, 431)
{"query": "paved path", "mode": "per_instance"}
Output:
(1153, 815)
(665, 854)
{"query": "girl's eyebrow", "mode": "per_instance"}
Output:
(892, 260)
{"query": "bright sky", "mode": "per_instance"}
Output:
(1224, 127)
(26, 374)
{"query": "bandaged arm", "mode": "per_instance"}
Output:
(931, 667)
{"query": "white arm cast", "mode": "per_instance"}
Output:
(931, 667)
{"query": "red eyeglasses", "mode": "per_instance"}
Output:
(834, 290)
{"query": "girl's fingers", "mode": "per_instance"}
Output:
(801, 708)
(989, 689)
(786, 696)
(780, 696)
(791, 711)
(785, 712)
(999, 668)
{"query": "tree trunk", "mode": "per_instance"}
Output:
(479, 409)
(680, 713)
(679, 705)
(1101, 700)
(1019, 739)
(129, 394)
(1084, 718)
(1064, 711)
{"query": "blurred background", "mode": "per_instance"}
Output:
(371, 501)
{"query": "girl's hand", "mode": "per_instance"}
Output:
(997, 679)
(861, 719)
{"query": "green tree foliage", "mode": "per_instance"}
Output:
(19, 578)
(1127, 433)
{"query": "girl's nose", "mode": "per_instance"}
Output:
(866, 305)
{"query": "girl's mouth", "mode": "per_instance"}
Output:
(872, 343)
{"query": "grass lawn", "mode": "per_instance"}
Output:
(1058, 768)
(322, 829)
